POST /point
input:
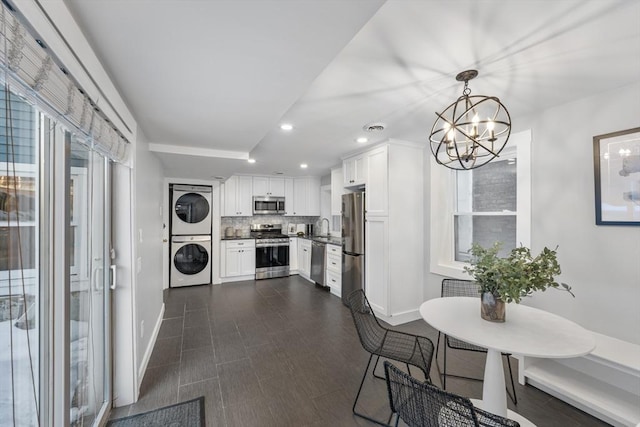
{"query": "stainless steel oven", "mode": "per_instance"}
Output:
(272, 251)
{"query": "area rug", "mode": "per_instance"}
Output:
(183, 414)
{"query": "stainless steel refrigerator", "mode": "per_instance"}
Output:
(352, 243)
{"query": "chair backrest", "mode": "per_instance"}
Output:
(460, 288)
(370, 332)
(421, 404)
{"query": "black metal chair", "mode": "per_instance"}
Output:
(421, 404)
(406, 348)
(465, 288)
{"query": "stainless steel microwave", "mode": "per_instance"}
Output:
(265, 205)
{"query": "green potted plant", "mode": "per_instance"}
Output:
(510, 279)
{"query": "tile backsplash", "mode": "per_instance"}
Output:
(243, 223)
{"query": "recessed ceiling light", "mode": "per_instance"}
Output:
(362, 140)
(251, 160)
(303, 165)
(286, 126)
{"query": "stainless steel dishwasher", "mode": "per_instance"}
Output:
(317, 262)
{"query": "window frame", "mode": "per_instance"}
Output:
(443, 209)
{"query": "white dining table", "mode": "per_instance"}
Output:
(527, 331)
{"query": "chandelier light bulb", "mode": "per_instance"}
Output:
(451, 135)
(474, 125)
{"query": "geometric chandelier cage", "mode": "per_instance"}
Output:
(470, 132)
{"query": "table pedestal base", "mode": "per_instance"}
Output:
(494, 393)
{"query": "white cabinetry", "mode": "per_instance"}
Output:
(267, 186)
(376, 264)
(238, 259)
(288, 197)
(306, 196)
(304, 258)
(354, 170)
(394, 230)
(337, 190)
(293, 255)
(238, 193)
(377, 187)
(333, 273)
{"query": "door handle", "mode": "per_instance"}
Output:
(112, 267)
(94, 276)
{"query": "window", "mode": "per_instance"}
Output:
(483, 205)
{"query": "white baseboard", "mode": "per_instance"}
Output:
(400, 318)
(238, 278)
(149, 350)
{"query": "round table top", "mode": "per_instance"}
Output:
(527, 331)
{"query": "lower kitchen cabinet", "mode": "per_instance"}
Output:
(377, 263)
(304, 258)
(238, 259)
(333, 273)
(293, 255)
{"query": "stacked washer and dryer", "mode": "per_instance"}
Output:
(190, 235)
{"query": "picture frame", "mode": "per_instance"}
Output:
(616, 161)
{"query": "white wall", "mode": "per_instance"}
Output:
(147, 235)
(601, 263)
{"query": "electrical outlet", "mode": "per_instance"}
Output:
(142, 329)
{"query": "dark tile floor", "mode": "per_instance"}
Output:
(282, 352)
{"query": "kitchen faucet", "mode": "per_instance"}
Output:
(328, 225)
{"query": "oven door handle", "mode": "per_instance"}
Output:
(271, 245)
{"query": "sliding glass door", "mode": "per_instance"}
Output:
(55, 328)
(20, 292)
(89, 302)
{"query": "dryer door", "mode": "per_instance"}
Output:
(191, 210)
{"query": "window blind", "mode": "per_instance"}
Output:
(27, 60)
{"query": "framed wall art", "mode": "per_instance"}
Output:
(616, 159)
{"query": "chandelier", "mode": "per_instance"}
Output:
(470, 132)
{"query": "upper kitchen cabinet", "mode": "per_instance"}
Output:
(354, 171)
(288, 197)
(238, 195)
(337, 190)
(377, 181)
(267, 186)
(306, 196)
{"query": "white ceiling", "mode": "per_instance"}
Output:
(216, 78)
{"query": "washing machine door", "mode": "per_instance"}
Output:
(191, 259)
(191, 210)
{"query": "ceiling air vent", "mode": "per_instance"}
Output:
(374, 127)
